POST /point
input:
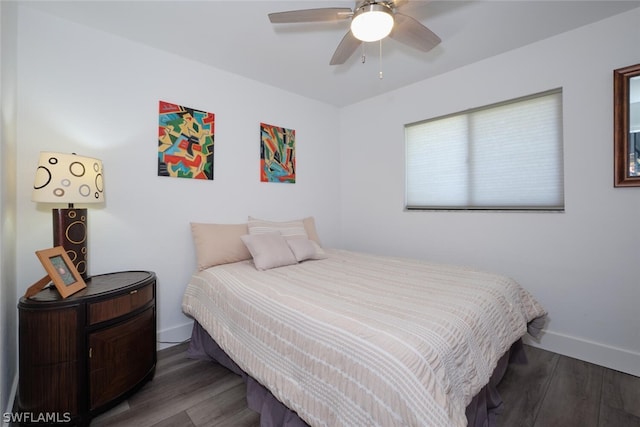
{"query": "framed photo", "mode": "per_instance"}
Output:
(61, 270)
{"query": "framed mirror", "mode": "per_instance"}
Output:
(626, 126)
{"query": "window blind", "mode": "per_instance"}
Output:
(503, 156)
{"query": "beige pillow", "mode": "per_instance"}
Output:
(310, 227)
(219, 244)
(269, 250)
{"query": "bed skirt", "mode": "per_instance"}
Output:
(481, 412)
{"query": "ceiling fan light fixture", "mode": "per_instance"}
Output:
(372, 22)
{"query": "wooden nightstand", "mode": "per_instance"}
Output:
(82, 355)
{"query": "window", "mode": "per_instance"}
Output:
(506, 156)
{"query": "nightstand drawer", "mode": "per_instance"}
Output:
(114, 307)
(120, 357)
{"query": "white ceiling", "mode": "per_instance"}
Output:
(237, 36)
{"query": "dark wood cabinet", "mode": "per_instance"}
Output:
(82, 355)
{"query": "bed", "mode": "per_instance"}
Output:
(343, 338)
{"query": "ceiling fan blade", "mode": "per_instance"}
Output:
(345, 49)
(311, 15)
(412, 33)
(399, 3)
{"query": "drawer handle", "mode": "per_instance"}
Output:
(135, 291)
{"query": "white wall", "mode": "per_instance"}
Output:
(582, 265)
(8, 147)
(88, 92)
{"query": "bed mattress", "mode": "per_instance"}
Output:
(358, 339)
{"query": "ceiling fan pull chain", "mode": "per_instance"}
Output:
(380, 76)
(364, 55)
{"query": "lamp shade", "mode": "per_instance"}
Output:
(372, 22)
(68, 178)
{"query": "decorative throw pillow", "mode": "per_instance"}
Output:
(269, 250)
(219, 244)
(301, 228)
(305, 249)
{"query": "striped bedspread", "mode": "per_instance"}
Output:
(363, 340)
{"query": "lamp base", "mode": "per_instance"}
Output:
(70, 232)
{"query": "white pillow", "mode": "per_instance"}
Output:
(293, 228)
(269, 250)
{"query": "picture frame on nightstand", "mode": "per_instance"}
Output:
(60, 270)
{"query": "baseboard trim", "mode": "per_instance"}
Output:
(173, 336)
(608, 356)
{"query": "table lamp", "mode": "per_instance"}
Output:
(69, 178)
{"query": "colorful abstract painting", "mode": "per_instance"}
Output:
(185, 142)
(277, 154)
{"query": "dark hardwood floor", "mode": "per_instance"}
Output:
(551, 390)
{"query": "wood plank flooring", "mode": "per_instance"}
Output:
(550, 391)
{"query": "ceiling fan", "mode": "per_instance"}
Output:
(370, 21)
